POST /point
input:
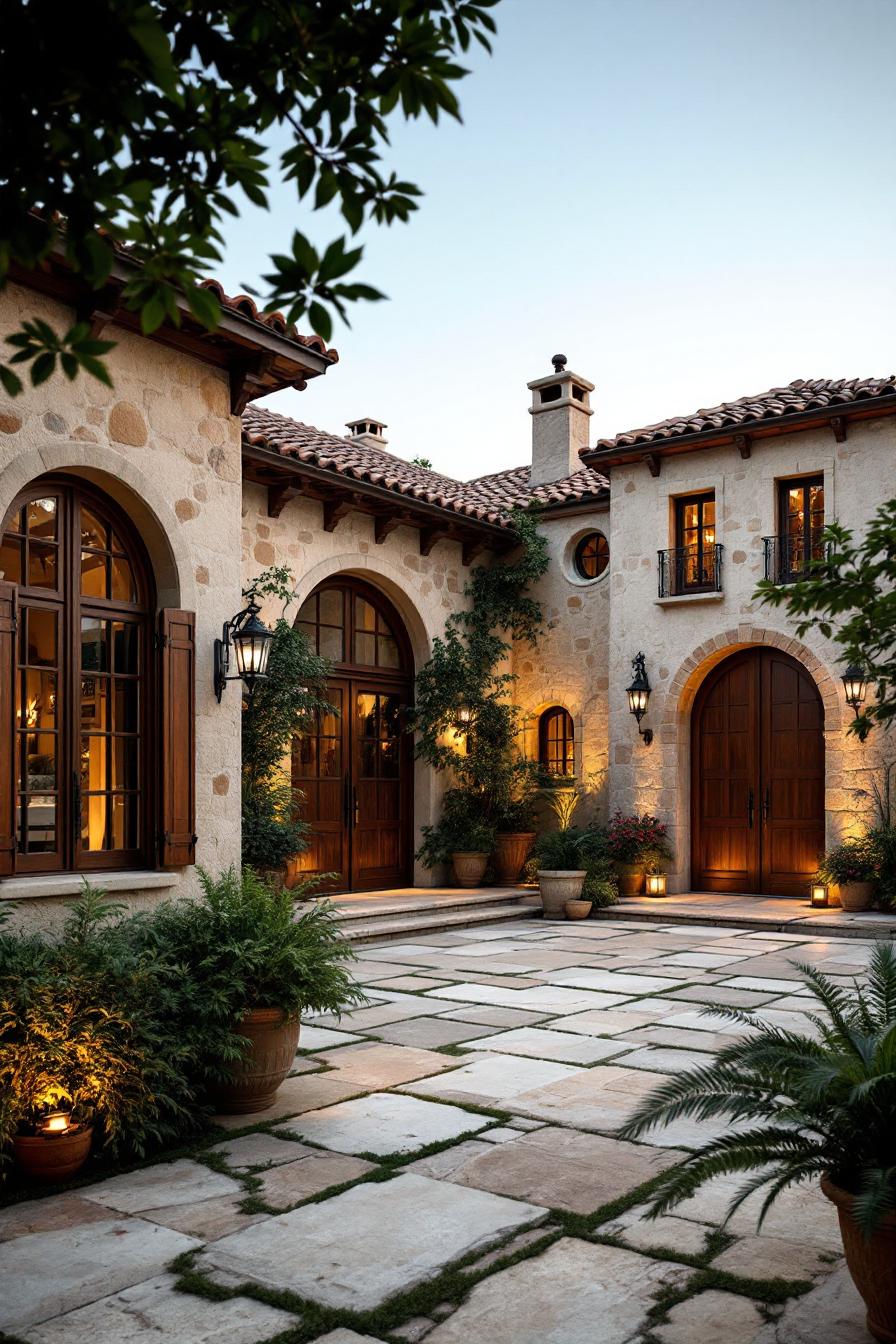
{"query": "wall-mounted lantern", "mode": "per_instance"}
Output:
(638, 695)
(249, 640)
(855, 686)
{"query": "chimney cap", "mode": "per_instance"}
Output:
(366, 424)
(559, 363)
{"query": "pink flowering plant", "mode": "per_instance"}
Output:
(852, 861)
(638, 839)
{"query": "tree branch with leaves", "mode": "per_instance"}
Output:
(153, 121)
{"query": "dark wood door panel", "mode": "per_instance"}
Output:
(757, 788)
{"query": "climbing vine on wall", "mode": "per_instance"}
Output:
(465, 718)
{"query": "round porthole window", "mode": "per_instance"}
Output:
(591, 556)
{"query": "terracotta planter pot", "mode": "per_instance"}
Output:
(558, 886)
(856, 895)
(273, 1039)
(577, 909)
(469, 867)
(631, 879)
(55, 1157)
(871, 1262)
(511, 852)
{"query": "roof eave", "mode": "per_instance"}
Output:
(814, 418)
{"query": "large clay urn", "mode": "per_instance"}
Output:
(511, 852)
(631, 879)
(871, 1262)
(469, 867)
(855, 896)
(273, 1038)
(558, 886)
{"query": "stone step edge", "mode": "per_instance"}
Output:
(436, 923)
(762, 923)
(381, 909)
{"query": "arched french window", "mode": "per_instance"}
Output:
(78, 593)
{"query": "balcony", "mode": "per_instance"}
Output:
(790, 558)
(690, 569)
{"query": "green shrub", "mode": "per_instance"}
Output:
(93, 1025)
(601, 884)
(883, 842)
(559, 851)
(802, 1106)
(461, 828)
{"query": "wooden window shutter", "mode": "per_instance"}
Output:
(177, 638)
(8, 612)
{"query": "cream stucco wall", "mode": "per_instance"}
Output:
(163, 443)
(684, 638)
(424, 589)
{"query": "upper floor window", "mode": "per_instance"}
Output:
(591, 555)
(800, 527)
(556, 742)
(694, 563)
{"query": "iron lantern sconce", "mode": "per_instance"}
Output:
(818, 896)
(247, 641)
(855, 686)
(638, 696)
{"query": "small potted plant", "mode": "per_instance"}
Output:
(462, 837)
(514, 838)
(578, 909)
(255, 966)
(852, 868)
(633, 842)
(803, 1107)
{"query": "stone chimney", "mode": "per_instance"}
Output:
(560, 413)
(367, 431)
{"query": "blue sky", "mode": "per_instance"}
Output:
(693, 199)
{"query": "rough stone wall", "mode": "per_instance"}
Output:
(424, 589)
(684, 638)
(569, 666)
(163, 443)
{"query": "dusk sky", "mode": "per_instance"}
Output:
(692, 199)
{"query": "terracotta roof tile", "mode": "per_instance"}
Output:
(800, 395)
(246, 306)
(488, 499)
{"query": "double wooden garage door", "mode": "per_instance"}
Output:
(757, 788)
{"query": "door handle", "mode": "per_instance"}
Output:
(767, 805)
(346, 802)
(355, 808)
(750, 806)
(76, 803)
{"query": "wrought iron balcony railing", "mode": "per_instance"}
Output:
(789, 558)
(690, 569)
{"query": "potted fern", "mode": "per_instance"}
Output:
(805, 1109)
(255, 965)
(462, 838)
(514, 838)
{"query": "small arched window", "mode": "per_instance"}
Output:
(556, 742)
(591, 556)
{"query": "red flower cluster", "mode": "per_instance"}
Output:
(631, 839)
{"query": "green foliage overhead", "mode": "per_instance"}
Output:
(153, 121)
(466, 675)
(804, 1105)
(850, 596)
(285, 703)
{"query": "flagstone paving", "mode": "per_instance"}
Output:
(450, 1170)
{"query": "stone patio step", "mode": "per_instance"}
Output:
(375, 904)
(433, 919)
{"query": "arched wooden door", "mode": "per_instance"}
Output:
(356, 770)
(757, 776)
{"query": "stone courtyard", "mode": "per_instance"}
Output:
(444, 1165)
